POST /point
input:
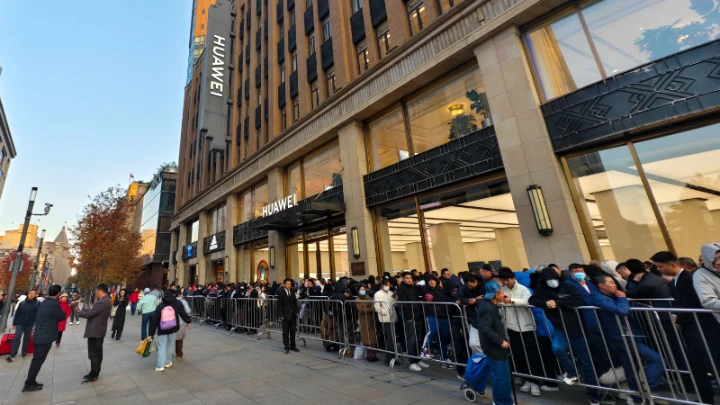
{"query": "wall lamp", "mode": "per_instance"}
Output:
(354, 236)
(271, 257)
(537, 202)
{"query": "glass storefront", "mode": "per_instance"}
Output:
(672, 201)
(462, 226)
(454, 108)
(253, 260)
(592, 40)
(315, 173)
(216, 219)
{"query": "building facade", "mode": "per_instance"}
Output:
(7, 148)
(362, 136)
(54, 264)
(152, 215)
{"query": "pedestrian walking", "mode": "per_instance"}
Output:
(121, 302)
(183, 327)
(288, 309)
(75, 302)
(134, 298)
(165, 321)
(49, 314)
(494, 343)
(95, 330)
(23, 323)
(146, 307)
(65, 305)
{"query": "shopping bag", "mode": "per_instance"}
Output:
(477, 372)
(141, 347)
(149, 348)
(113, 311)
(153, 346)
(359, 353)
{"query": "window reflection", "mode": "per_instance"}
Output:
(388, 143)
(294, 182)
(260, 199)
(399, 233)
(322, 170)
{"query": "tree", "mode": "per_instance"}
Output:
(23, 278)
(104, 249)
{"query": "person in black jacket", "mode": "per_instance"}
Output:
(412, 319)
(121, 302)
(468, 295)
(167, 335)
(49, 313)
(696, 328)
(494, 343)
(23, 323)
(558, 302)
(288, 309)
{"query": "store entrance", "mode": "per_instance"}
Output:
(318, 251)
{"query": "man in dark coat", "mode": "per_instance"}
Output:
(23, 323)
(494, 343)
(288, 309)
(49, 313)
(95, 329)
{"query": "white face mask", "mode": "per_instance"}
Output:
(386, 288)
(554, 283)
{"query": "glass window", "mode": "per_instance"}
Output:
(363, 56)
(625, 35)
(322, 170)
(616, 202)
(448, 111)
(246, 206)
(399, 234)
(282, 73)
(327, 31)
(294, 181)
(383, 36)
(330, 81)
(296, 109)
(388, 143)
(308, 4)
(260, 198)
(217, 219)
(294, 62)
(292, 17)
(311, 44)
(194, 233)
(446, 5)
(416, 13)
(283, 119)
(315, 94)
(683, 171)
(282, 29)
(356, 5)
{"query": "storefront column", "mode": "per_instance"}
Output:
(383, 230)
(202, 264)
(276, 191)
(231, 219)
(447, 247)
(354, 161)
(181, 270)
(693, 215)
(512, 249)
(527, 153)
(172, 268)
(414, 257)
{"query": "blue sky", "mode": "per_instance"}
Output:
(93, 91)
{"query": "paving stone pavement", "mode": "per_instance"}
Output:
(220, 368)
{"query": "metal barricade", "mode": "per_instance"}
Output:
(369, 325)
(247, 315)
(323, 319)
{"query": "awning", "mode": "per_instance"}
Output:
(301, 214)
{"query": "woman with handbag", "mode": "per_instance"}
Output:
(120, 307)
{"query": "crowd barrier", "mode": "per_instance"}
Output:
(655, 353)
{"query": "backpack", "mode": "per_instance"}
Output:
(167, 318)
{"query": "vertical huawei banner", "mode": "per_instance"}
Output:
(216, 75)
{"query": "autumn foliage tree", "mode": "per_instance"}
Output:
(23, 279)
(104, 248)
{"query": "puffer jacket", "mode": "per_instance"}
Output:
(384, 306)
(517, 316)
(706, 280)
(566, 298)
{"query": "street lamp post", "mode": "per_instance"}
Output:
(17, 264)
(33, 277)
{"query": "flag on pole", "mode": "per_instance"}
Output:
(131, 176)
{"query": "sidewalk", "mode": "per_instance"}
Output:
(221, 368)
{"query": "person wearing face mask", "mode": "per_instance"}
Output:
(558, 302)
(384, 300)
(366, 318)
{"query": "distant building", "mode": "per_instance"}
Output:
(55, 259)
(134, 194)
(11, 240)
(7, 148)
(152, 213)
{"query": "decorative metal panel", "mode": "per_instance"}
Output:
(293, 84)
(246, 128)
(246, 232)
(681, 84)
(281, 51)
(258, 122)
(280, 11)
(214, 243)
(311, 68)
(323, 9)
(281, 95)
(247, 89)
(326, 54)
(378, 15)
(189, 251)
(258, 79)
(460, 159)
(357, 26)
(309, 20)
(292, 45)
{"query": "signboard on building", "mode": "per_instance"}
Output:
(216, 83)
(279, 205)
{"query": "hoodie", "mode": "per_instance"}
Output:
(180, 313)
(566, 298)
(707, 280)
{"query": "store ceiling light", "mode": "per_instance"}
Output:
(537, 202)
(456, 109)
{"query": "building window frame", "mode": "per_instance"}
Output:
(296, 108)
(315, 94)
(294, 60)
(326, 29)
(331, 83)
(383, 39)
(356, 5)
(415, 12)
(363, 56)
(283, 119)
(282, 73)
(311, 44)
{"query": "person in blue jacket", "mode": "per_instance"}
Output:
(615, 307)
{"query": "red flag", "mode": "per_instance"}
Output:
(131, 176)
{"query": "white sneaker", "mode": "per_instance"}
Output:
(70, 323)
(415, 367)
(168, 365)
(159, 369)
(570, 380)
(423, 364)
(548, 388)
(534, 390)
(526, 387)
